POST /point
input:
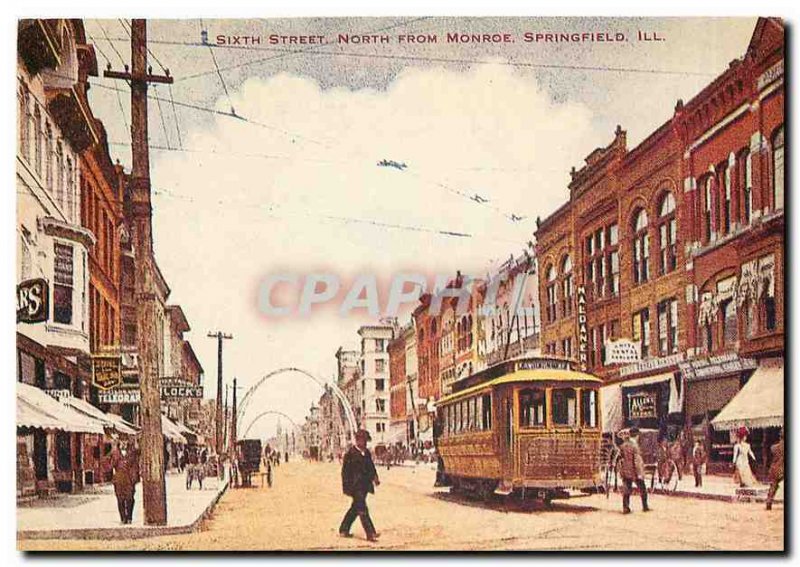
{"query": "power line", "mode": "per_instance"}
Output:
(222, 80)
(161, 115)
(119, 97)
(175, 114)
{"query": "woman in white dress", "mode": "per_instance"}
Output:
(742, 453)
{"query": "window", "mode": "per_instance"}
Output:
(668, 327)
(486, 412)
(566, 287)
(777, 168)
(564, 407)
(62, 284)
(729, 322)
(380, 405)
(708, 224)
(725, 181)
(380, 385)
(746, 183)
(668, 234)
(566, 347)
(48, 158)
(641, 248)
(589, 409)
(380, 345)
(24, 123)
(63, 448)
(551, 294)
(380, 366)
(602, 261)
(532, 408)
(641, 330)
(37, 141)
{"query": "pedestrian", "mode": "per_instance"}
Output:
(192, 466)
(286, 457)
(742, 453)
(125, 467)
(699, 459)
(359, 478)
(776, 472)
(676, 454)
(632, 471)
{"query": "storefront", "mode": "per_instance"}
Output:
(711, 383)
(758, 406)
(50, 443)
(651, 402)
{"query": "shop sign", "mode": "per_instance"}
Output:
(622, 351)
(642, 405)
(130, 360)
(178, 388)
(723, 364)
(59, 394)
(650, 364)
(106, 371)
(32, 301)
(543, 364)
(583, 330)
(120, 396)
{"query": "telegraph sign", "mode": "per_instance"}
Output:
(106, 371)
(32, 301)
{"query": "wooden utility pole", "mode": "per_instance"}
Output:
(219, 441)
(233, 420)
(152, 443)
(225, 443)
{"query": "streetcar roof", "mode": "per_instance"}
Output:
(535, 375)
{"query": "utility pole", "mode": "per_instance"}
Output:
(152, 443)
(233, 421)
(220, 336)
(225, 421)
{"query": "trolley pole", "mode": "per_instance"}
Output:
(152, 442)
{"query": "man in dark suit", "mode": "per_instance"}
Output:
(359, 478)
(699, 459)
(125, 467)
(776, 470)
(631, 470)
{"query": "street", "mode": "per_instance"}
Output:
(303, 509)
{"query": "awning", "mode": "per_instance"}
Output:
(758, 404)
(110, 421)
(611, 400)
(186, 431)
(37, 409)
(171, 430)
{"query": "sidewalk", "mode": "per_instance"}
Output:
(93, 514)
(718, 488)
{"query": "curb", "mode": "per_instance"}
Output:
(124, 533)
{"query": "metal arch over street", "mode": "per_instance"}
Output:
(263, 414)
(348, 410)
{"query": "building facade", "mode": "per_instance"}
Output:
(374, 378)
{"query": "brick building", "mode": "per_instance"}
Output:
(398, 396)
(675, 248)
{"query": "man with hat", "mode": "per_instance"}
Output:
(359, 478)
(776, 472)
(631, 469)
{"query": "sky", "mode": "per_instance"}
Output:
(291, 185)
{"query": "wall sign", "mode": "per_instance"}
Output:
(623, 351)
(583, 331)
(120, 396)
(642, 405)
(106, 371)
(178, 388)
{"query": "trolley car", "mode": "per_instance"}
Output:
(527, 425)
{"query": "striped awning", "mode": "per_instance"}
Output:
(758, 404)
(38, 410)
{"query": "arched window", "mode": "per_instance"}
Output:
(708, 208)
(566, 286)
(725, 197)
(59, 178)
(24, 124)
(552, 296)
(667, 234)
(777, 168)
(37, 141)
(745, 183)
(641, 248)
(69, 197)
(48, 158)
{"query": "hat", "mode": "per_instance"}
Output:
(363, 433)
(742, 431)
(634, 431)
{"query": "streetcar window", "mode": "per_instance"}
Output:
(532, 408)
(487, 412)
(564, 406)
(589, 408)
(478, 413)
(471, 414)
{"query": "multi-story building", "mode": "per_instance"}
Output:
(348, 378)
(398, 388)
(54, 127)
(374, 379)
(663, 273)
(332, 425)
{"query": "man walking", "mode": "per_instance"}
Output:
(359, 478)
(776, 472)
(699, 459)
(632, 471)
(125, 467)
